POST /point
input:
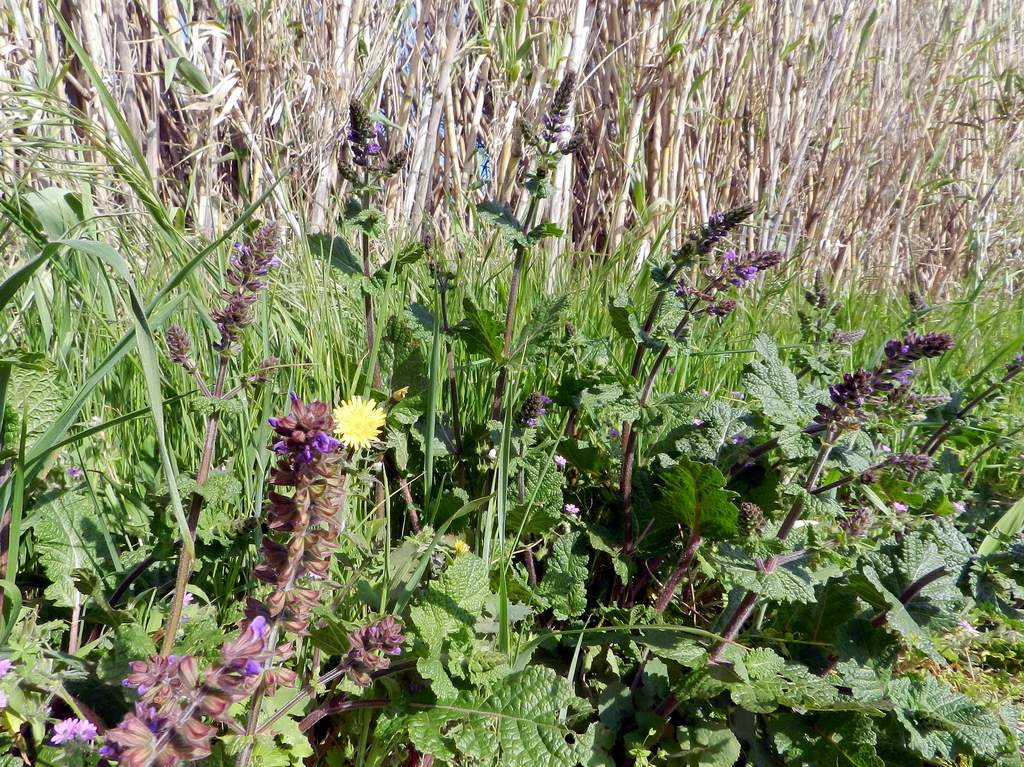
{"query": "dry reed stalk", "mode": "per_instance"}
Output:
(886, 142)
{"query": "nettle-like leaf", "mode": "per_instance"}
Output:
(564, 585)
(447, 612)
(480, 331)
(502, 216)
(542, 507)
(826, 740)
(776, 388)
(34, 392)
(408, 363)
(707, 745)
(704, 442)
(793, 580)
(515, 724)
(68, 538)
(883, 577)
(943, 723)
(767, 681)
(624, 319)
(694, 494)
(544, 323)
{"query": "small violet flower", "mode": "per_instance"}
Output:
(697, 421)
(739, 438)
(74, 472)
(572, 509)
(73, 731)
(901, 508)
(960, 506)
(560, 461)
(5, 667)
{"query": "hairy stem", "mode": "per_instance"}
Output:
(682, 566)
(912, 591)
(746, 606)
(371, 330)
(202, 474)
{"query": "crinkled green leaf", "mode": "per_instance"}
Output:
(693, 493)
(564, 585)
(826, 740)
(776, 387)
(708, 745)
(943, 723)
(68, 538)
(448, 610)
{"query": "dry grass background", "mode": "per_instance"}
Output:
(880, 138)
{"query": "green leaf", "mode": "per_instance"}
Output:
(544, 230)
(792, 581)
(68, 538)
(1005, 529)
(826, 740)
(35, 391)
(943, 723)
(708, 745)
(564, 585)
(449, 609)
(776, 387)
(480, 331)
(502, 216)
(620, 311)
(335, 251)
(517, 724)
(693, 493)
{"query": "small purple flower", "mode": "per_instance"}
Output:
(188, 599)
(72, 731)
(252, 667)
(259, 626)
(3, 700)
(960, 506)
(5, 667)
(697, 422)
(572, 509)
(74, 472)
(900, 508)
(560, 461)
(614, 433)
(886, 449)
(739, 438)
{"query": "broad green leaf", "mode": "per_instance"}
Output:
(502, 216)
(694, 493)
(480, 331)
(826, 740)
(67, 538)
(446, 613)
(943, 723)
(776, 387)
(564, 585)
(708, 745)
(516, 724)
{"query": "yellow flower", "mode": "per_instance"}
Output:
(461, 547)
(358, 422)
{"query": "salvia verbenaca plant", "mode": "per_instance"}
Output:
(245, 279)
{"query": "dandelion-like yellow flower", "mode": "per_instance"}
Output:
(358, 422)
(461, 547)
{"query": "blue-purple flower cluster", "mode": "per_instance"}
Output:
(534, 407)
(305, 432)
